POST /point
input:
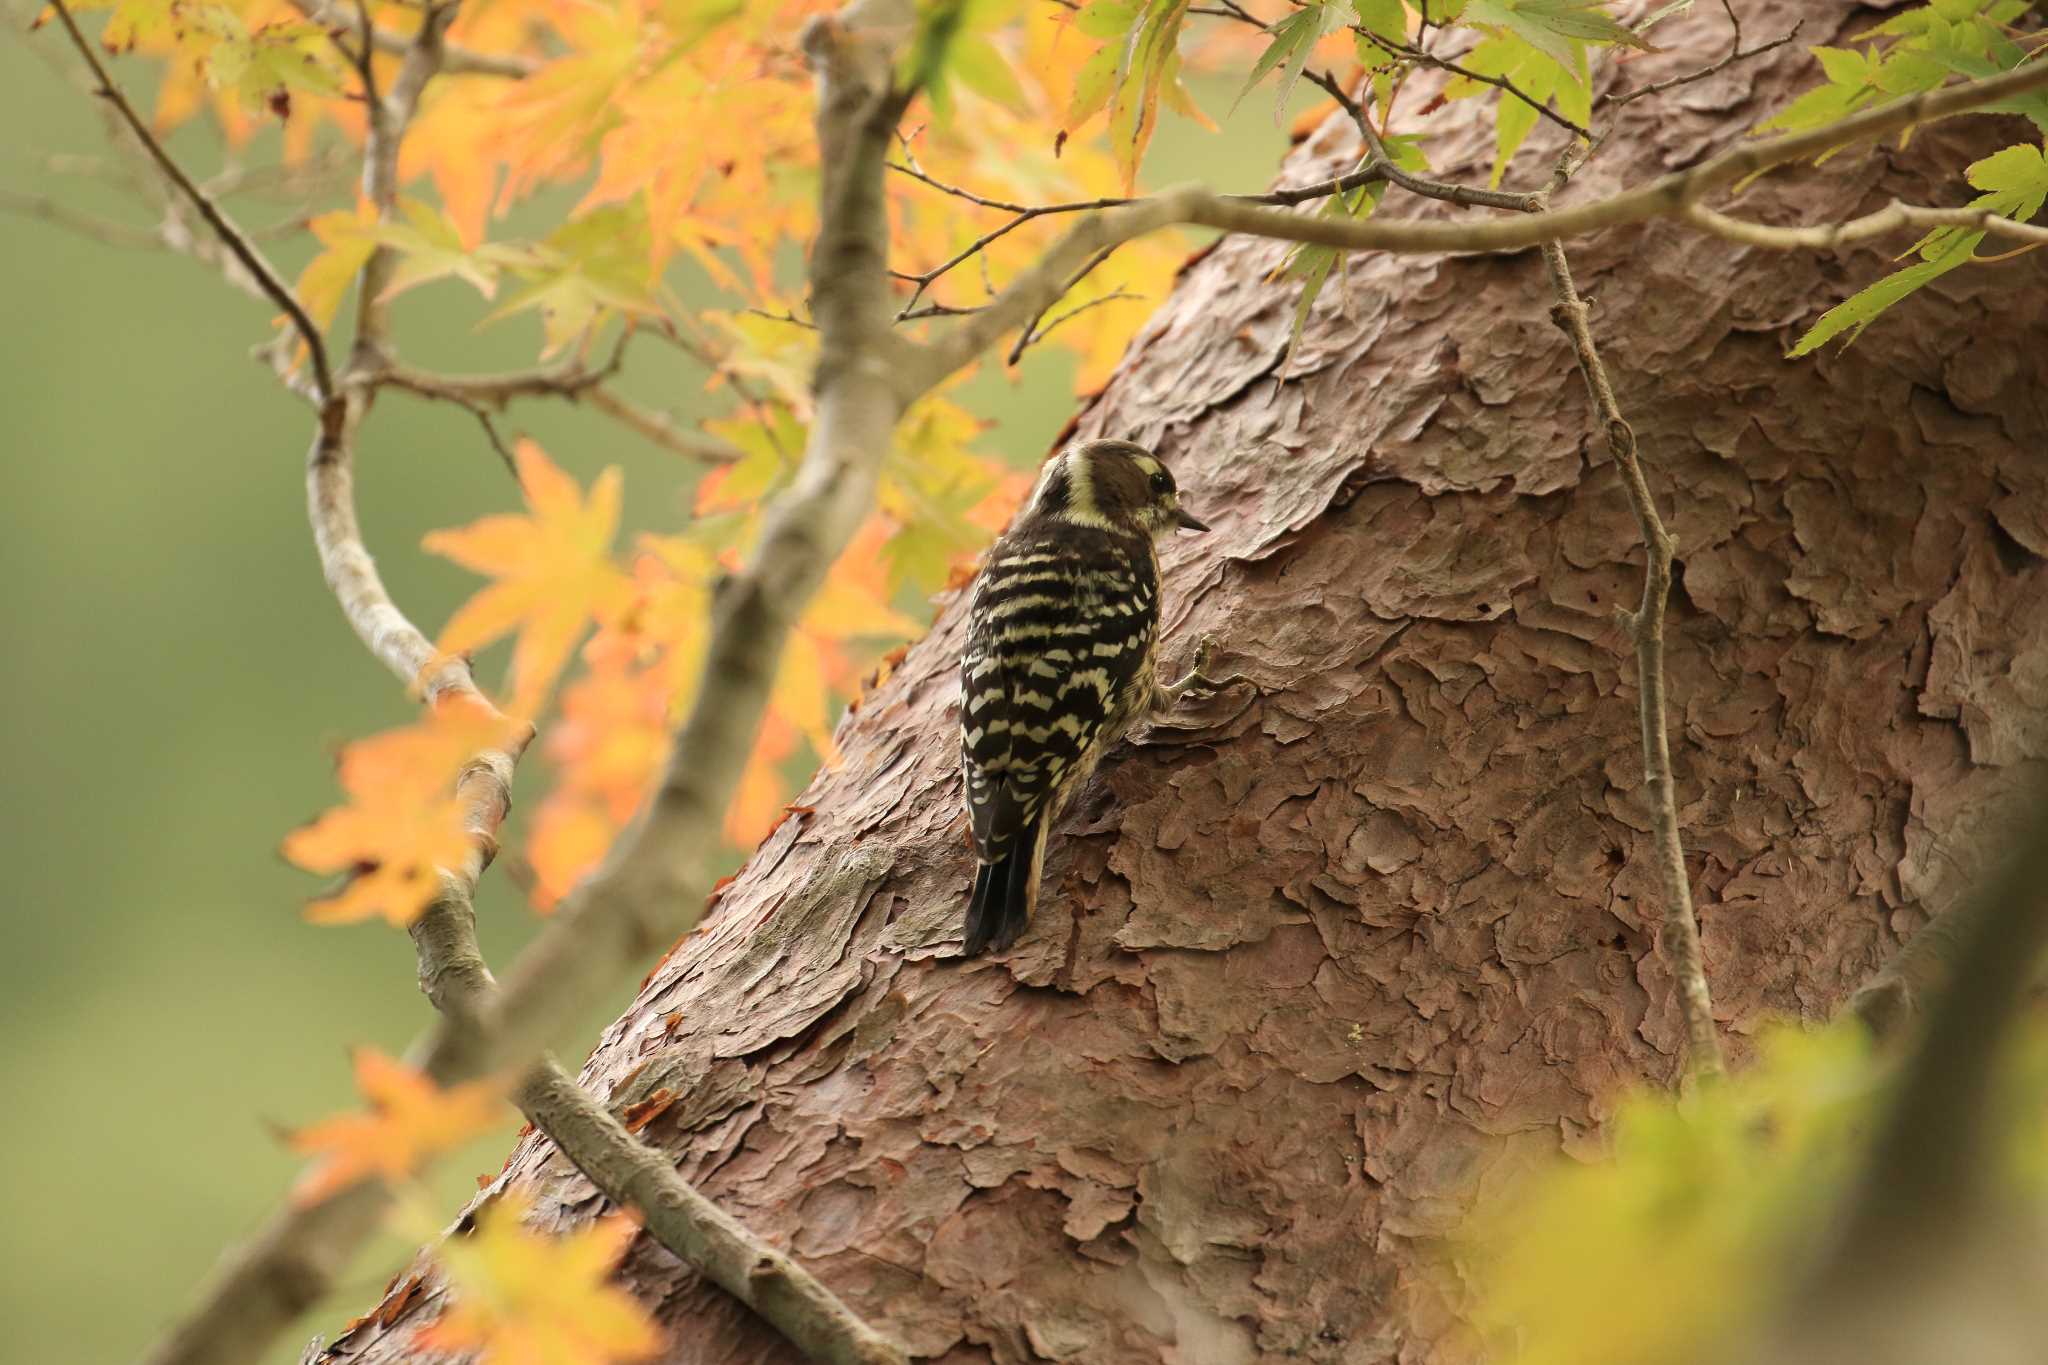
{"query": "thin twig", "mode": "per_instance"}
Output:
(1888, 219)
(457, 61)
(244, 250)
(659, 428)
(1667, 196)
(1032, 335)
(1419, 56)
(1025, 337)
(1025, 213)
(48, 210)
(1378, 160)
(1645, 625)
(566, 381)
(390, 118)
(1736, 53)
(1501, 83)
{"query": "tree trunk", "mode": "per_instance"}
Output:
(1318, 963)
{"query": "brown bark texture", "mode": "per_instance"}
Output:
(1323, 959)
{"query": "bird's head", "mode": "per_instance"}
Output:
(1111, 486)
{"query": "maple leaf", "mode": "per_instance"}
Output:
(757, 805)
(608, 747)
(347, 237)
(454, 141)
(553, 568)
(526, 1299)
(410, 1119)
(402, 824)
(570, 836)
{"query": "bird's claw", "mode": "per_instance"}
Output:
(1198, 681)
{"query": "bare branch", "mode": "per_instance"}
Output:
(1681, 938)
(578, 383)
(352, 575)
(1668, 196)
(1736, 53)
(1031, 327)
(390, 115)
(1025, 213)
(659, 428)
(653, 886)
(563, 381)
(1037, 331)
(1421, 57)
(634, 1175)
(456, 61)
(1889, 219)
(1468, 196)
(48, 210)
(245, 251)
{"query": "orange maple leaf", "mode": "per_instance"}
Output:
(569, 837)
(757, 805)
(402, 823)
(410, 1119)
(527, 1299)
(553, 568)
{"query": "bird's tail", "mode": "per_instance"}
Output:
(1004, 891)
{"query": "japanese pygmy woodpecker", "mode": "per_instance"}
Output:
(1061, 636)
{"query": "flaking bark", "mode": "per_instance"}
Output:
(1325, 957)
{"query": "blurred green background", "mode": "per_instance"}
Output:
(176, 679)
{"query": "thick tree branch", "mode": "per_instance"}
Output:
(1932, 1248)
(1672, 195)
(1681, 938)
(654, 885)
(633, 1175)
(245, 251)
(1934, 1160)
(1897, 991)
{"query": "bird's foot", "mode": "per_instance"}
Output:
(1197, 681)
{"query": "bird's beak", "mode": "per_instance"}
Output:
(1188, 521)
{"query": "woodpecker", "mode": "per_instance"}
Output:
(1061, 637)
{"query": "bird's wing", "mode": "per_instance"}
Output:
(1057, 632)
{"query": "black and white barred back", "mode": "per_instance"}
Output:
(1062, 630)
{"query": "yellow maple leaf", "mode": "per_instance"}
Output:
(347, 237)
(527, 1299)
(410, 1119)
(402, 823)
(553, 568)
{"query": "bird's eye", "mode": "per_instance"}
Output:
(1162, 483)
